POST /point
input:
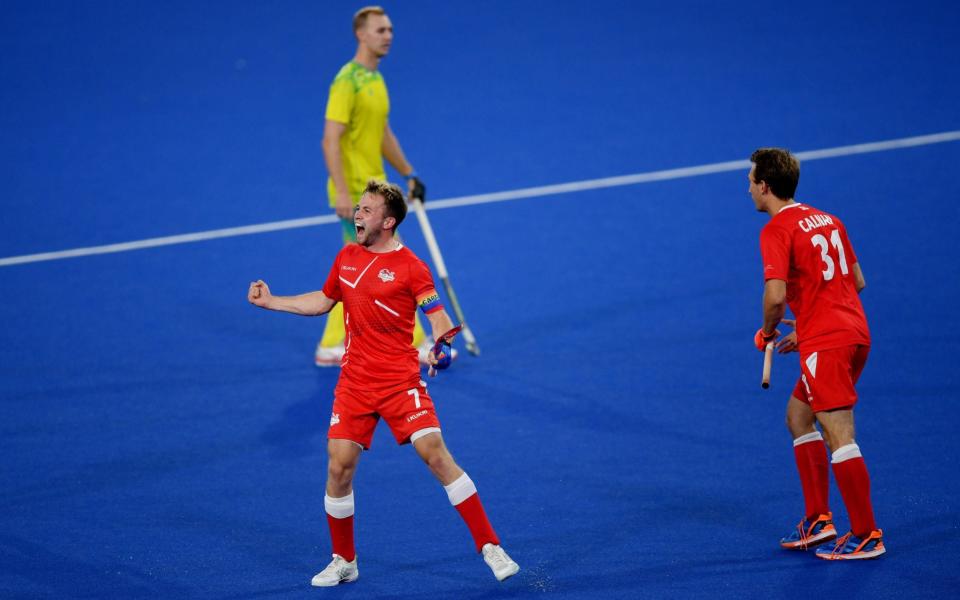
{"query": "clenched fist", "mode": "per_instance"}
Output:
(259, 293)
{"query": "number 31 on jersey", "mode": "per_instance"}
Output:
(829, 266)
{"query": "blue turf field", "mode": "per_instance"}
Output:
(161, 438)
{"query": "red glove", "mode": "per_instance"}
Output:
(761, 339)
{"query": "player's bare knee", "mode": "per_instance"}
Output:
(429, 444)
(435, 454)
(340, 474)
(800, 420)
(799, 425)
(837, 439)
(441, 463)
(838, 427)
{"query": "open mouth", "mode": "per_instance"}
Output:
(360, 227)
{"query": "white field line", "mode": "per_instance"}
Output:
(170, 240)
(532, 192)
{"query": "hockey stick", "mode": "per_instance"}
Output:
(431, 240)
(767, 363)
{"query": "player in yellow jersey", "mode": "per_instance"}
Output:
(356, 138)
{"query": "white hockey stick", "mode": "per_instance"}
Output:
(431, 240)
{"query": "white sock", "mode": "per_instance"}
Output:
(339, 508)
(807, 437)
(461, 489)
(846, 453)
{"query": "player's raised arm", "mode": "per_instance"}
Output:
(311, 304)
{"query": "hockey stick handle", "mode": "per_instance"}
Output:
(431, 240)
(434, 249)
(767, 363)
(467, 334)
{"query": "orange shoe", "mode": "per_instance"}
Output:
(810, 533)
(850, 547)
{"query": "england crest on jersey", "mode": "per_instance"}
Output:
(386, 275)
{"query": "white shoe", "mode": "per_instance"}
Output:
(423, 350)
(499, 562)
(337, 572)
(328, 357)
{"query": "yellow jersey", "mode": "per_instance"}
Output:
(358, 99)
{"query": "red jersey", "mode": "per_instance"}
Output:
(380, 293)
(810, 250)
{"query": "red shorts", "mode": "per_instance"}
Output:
(356, 413)
(828, 376)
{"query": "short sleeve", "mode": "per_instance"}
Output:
(421, 281)
(775, 251)
(331, 289)
(851, 256)
(340, 101)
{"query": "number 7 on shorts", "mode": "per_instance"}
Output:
(416, 396)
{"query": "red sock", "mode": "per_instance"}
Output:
(854, 483)
(475, 517)
(341, 535)
(814, 476)
(340, 521)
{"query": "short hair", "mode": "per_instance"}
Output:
(360, 17)
(779, 168)
(394, 204)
